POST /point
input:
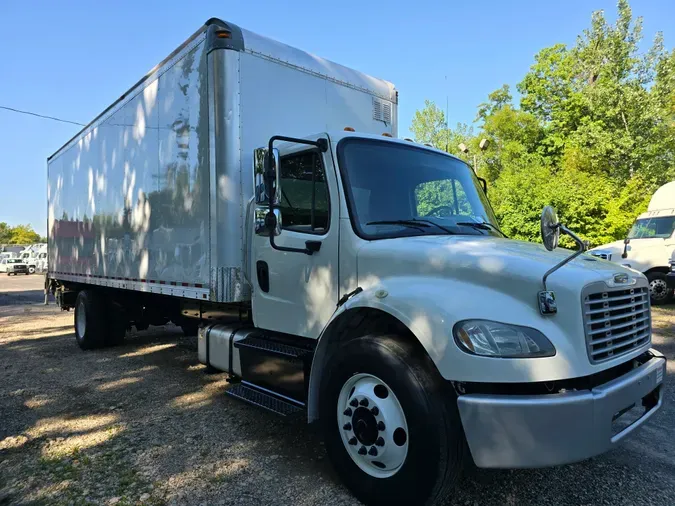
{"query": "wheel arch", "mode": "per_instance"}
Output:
(662, 269)
(353, 322)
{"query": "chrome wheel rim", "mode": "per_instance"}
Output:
(81, 319)
(372, 425)
(658, 289)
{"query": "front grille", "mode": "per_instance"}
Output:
(616, 321)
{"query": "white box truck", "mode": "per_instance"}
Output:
(257, 195)
(649, 244)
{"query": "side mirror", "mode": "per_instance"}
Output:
(261, 167)
(550, 228)
(262, 221)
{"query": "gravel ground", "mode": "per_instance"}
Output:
(144, 424)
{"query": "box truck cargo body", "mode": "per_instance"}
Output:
(159, 182)
(257, 196)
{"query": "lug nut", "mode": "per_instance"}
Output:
(380, 441)
(364, 403)
(375, 411)
(354, 403)
(380, 425)
(347, 426)
(372, 451)
(348, 412)
(362, 450)
(352, 441)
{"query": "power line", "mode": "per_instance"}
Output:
(41, 115)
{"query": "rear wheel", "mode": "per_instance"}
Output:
(658, 288)
(391, 423)
(89, 320)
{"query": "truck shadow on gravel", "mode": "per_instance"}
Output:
(143, 423)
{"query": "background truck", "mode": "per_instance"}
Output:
(258, 195)
(649, 244)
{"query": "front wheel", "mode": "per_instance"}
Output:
(391, 423)
(31, 270)
(658, 288)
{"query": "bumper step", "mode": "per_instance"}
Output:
(253, 395)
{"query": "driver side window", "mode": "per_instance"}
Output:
(305, 203)
(444, 197)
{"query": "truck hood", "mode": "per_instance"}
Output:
(642, 254)
(612, 247)
(485, 260)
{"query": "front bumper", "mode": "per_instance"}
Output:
(670, 280)
(517, 431)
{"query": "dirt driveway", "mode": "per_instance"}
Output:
(144, 424)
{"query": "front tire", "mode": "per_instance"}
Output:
(659, 293)
(391, 423)
(31, 270)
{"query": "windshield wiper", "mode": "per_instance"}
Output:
(419, 220)
(414, 222)
(404, 223)
(481, 225)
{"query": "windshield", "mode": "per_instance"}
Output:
(649, 228)
(421, 192)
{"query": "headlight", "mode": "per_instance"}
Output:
(494, 339)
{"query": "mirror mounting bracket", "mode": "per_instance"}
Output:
(580, 243)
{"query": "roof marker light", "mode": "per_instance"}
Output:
(349, 129)
(387, 134)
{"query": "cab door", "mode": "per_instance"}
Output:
(293, 291)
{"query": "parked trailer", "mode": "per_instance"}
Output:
(346, 276)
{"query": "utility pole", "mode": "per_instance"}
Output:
(447, 113)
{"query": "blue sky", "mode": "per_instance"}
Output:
(71, 59)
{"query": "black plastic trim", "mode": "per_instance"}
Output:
(208, 346)
(234, 42)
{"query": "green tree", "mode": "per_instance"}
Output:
(5, 233)
(593, 134)
(23, 234)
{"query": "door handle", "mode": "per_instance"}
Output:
(312, 246)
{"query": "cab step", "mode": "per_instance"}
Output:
(265, 345)
(264, 399)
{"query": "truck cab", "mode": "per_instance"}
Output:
(378, 250)
(649, 244)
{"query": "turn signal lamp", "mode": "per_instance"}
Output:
(223, 34)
